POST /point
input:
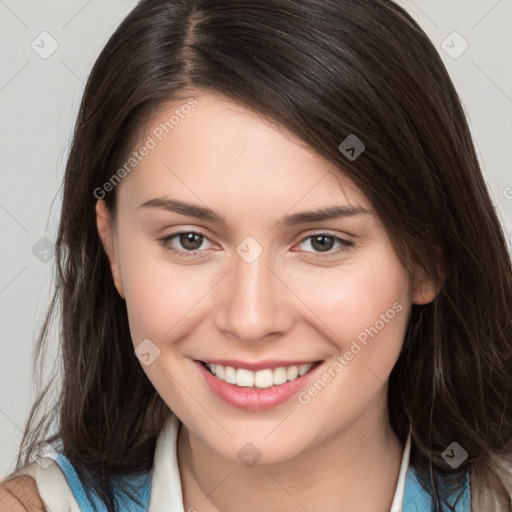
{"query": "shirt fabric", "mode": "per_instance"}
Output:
(159, 490)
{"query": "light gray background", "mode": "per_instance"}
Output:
(39, 99)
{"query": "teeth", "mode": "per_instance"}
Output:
(230, 375)
(303, 368)
(263, 379)
(280, 375)
(292, 372)
(260, 379)
(220, 371)
(243, 377)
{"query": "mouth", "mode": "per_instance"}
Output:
(261, 379)
(267, 387)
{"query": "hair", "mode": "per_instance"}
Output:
(322, 69)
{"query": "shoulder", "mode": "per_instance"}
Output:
(40, 486)
(20, 494)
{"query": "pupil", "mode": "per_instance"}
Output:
(187, 241)
(322, 246)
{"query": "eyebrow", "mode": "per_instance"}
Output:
(206, 214)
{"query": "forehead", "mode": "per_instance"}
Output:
(220, 149)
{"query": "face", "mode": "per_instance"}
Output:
(219, 263)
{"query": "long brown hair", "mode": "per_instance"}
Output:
(323, 69)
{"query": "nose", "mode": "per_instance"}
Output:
(254, 302)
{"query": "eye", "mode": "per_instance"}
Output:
(324, 242)
(191, 241)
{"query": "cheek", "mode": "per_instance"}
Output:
(162, 298)
(352, 300)
(363, 311)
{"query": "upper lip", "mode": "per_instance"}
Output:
(261, 365)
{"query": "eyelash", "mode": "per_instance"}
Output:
(345, 244)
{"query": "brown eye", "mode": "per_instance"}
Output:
(184, 243)
(325, 242)
(190, 241)
(322, 243)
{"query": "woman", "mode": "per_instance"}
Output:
(275, 226)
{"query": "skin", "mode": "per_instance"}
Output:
(20, 495)
(338, 452)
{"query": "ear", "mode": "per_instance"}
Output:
(424, 288)
(105, 225)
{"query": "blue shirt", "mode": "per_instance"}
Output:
(416, 499)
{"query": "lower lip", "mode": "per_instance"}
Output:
(254, 399)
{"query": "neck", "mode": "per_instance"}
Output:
(355, 469)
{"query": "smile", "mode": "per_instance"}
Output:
(257, 390)
(261, 379)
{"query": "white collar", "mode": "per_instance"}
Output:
(398, 499)
(166, 482)
(165, 479)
